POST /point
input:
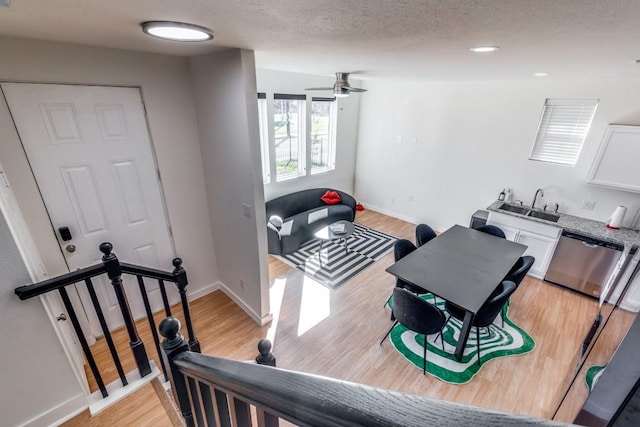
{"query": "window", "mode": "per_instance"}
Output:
(263, 123)
(289, 120)
(563, 128)
(323, 134)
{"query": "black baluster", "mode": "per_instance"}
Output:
(114, 272)
(83, 342)
(165, 300)
(181, 283)
(172, 346)
(152, 322)
(105, 331)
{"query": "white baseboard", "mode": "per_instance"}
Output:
(198, 293)
(390, 213)
(255, 316)
(634, 308)
(60, 413)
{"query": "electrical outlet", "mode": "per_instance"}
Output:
(241, 284)
(411, 198)
(588, 205)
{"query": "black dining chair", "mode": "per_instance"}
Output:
(402, 248)
(424, 234)
(417, 315)
(493, 230)
(517, 274)
(488, 312)
(520, 269)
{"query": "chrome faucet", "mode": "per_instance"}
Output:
(535, 196)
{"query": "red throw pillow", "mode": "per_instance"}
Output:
(331, 198)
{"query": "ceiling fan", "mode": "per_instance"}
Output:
(341, 87)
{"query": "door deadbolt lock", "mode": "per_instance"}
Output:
(62, 317)
(65, 233)
(70, 248)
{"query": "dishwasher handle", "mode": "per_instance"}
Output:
(589, 245)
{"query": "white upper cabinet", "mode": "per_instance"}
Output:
(616, 164)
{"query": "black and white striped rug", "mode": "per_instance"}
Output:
(332, 266)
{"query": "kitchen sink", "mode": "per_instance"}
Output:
(515, 209)
(544, 215)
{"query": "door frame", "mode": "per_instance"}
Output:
(37, 272)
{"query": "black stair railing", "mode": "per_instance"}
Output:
(114, 269)
(213, 391)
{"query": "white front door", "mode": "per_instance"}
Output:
(91, 155)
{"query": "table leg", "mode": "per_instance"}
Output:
(464, 335)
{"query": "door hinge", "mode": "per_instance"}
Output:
(144, 109)
(159, 177)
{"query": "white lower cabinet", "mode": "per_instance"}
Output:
(541, 239)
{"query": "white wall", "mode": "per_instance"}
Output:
(341, 178)
(224, 85)
(473, 139)
(36, 376)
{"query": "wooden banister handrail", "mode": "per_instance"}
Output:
(40, 288)
(30, 291)
(148, 272)
(306, 399)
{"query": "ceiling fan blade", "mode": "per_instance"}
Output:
(355, 89)
(319, 88)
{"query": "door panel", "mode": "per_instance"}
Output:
(91, 155)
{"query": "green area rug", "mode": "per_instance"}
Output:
(592, 375)
(495, 341)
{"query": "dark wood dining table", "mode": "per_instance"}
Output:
(462, 266)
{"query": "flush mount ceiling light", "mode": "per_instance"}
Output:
(540, 74)
(176, 31)
(484, 49)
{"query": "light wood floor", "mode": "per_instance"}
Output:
(336, 334)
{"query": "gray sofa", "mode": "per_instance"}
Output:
(303, 214)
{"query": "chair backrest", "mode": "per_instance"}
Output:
(492, 307)
(493, 230)
(520, 269)
(402, 248)
(424, 233)
(415, 313)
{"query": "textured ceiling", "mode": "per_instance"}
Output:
(403, 39)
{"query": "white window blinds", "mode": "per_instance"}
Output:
(563, 127)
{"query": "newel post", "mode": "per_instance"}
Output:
(172, 346)
(112, 265)
(181, 283)
(265, 357)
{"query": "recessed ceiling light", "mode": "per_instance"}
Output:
(540, 74)
(177, 31)
(484, 49)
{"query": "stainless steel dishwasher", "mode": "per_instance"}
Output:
(583, 263)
